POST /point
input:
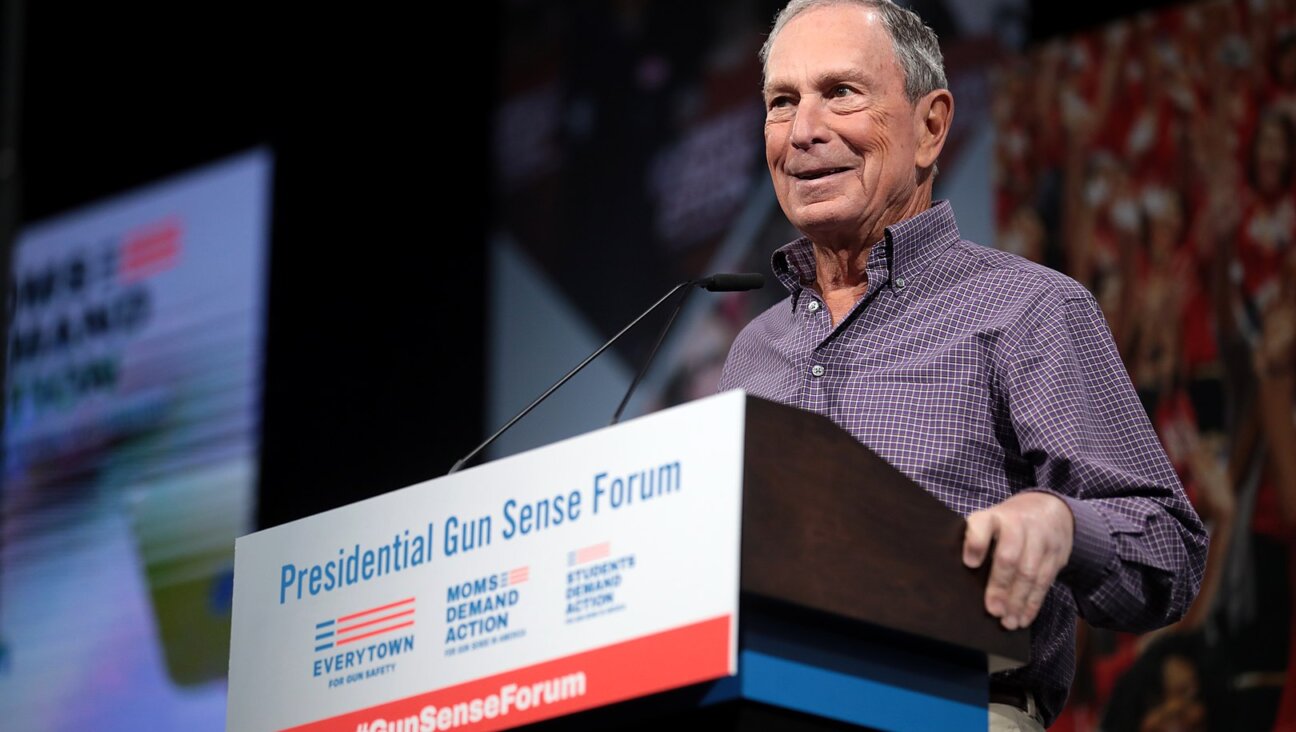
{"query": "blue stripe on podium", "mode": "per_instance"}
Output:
(854, 699)
(879, 679)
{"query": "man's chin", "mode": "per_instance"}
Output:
(826, 225)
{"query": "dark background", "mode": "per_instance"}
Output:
(375, 337)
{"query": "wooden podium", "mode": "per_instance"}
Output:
(853, 606)
(856, 607)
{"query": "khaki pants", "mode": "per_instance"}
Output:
(1007, 718)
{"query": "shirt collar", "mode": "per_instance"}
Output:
(905, 251)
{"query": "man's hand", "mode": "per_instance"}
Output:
(1032, 535)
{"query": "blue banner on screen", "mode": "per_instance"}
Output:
(131, 446)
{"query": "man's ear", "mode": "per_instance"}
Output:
(932, 117)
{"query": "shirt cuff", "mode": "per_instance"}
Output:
(1092, 547)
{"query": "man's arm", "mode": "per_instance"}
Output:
(1137, 547)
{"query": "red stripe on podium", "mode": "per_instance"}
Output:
(626, 670)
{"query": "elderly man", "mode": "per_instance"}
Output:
(991, 381)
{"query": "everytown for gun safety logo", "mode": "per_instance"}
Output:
(363, 644)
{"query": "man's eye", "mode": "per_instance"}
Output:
(842, 91)
(777, 102)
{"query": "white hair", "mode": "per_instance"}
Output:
(915, 44)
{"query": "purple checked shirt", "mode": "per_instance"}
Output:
(980, 374)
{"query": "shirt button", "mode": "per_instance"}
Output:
(813, 306)
(899, 283)
(817, 370)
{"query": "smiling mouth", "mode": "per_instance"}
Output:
(817, 174)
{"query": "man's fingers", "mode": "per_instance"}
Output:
(981, 527)
(1053, 554)
(1034, 601)
(1024, 582)
(1004, 568)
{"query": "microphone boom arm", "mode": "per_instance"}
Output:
(464, 460)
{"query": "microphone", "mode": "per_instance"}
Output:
(732, 282)
(714, 283)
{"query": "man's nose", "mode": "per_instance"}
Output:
(809, 127)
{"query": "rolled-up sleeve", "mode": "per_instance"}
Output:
(1139, 548)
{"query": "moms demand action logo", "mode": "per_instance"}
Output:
(482, 606)
(355, 642)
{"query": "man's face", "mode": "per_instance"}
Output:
(840, 135)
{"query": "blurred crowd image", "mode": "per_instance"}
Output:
(1154, 160)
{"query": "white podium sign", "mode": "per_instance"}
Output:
(593, 570)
